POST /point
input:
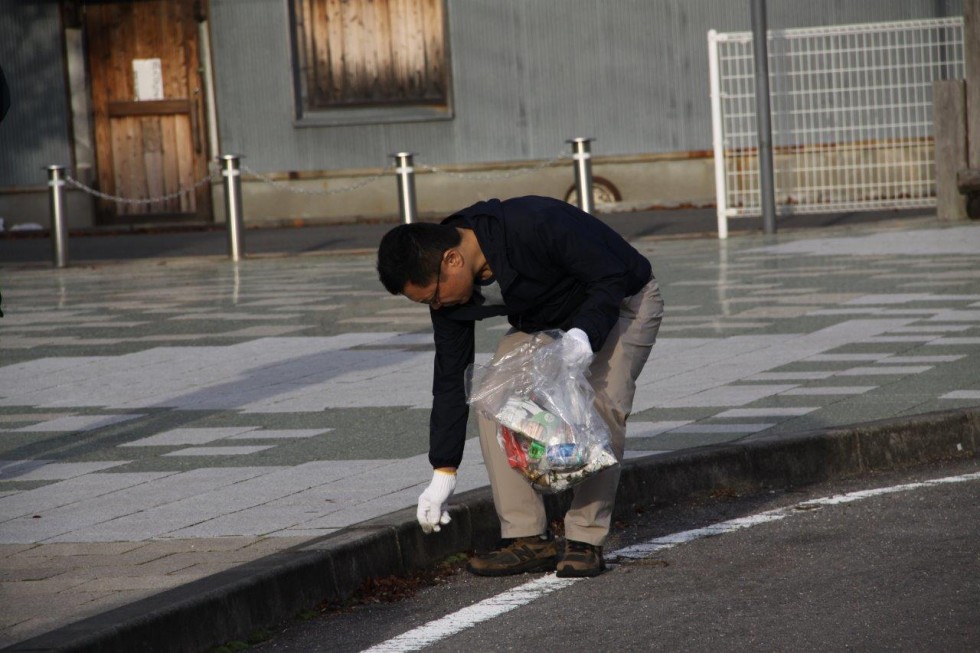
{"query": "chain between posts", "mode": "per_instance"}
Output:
(281, 185)
(212, 176)
(315, 191)
(490, 176)
(232, 176)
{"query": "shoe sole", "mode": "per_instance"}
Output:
(528, 567)
(578, 573)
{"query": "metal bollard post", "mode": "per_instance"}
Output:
(233, 205)
(405, 172)
(59, 230)
(763, 118)
(583, 172)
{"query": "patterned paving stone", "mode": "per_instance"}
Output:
(267, 399)
(218, 451)
(831, 390)
(62, 471)
(962, 394)
(178, 437)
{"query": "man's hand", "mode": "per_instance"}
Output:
(432, 504)
(576, 351)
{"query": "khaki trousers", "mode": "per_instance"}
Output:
(613, 374)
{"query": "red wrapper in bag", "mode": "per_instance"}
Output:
(516, 456)
(548, 426)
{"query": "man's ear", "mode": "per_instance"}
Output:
(453, 257)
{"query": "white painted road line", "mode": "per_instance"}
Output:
(522, 595)
(485, 610)
(650, 547)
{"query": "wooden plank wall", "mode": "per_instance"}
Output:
(361, 52)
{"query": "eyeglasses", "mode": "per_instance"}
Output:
(434, 300)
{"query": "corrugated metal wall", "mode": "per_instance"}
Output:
(526, 75)
(35, 133)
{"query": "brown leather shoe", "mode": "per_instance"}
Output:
(517, 556)
(580, 560)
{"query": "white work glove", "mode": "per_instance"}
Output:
(432, 504)
(576, 350)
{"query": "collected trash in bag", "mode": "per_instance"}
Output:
(548, 426)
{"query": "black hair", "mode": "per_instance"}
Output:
(413, 252)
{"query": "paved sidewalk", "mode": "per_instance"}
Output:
(143, 243)
(162, 420)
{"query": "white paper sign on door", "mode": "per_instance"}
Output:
(148, 79)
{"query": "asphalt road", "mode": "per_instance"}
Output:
(892, 571)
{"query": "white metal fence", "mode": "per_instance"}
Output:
(851, 115)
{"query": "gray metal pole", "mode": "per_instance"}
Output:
(233, 205)
(763, 118)
(405, 174)
(582, 155)
(59, 230)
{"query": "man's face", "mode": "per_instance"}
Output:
(453, 285)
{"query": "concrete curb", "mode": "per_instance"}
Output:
(234, 603)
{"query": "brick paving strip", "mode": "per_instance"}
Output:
(171, 429)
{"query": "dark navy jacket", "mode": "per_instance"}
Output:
(557, 266)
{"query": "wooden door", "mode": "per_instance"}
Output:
(148, 107)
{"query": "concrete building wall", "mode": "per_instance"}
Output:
(36, 131)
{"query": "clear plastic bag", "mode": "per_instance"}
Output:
(548, 426)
